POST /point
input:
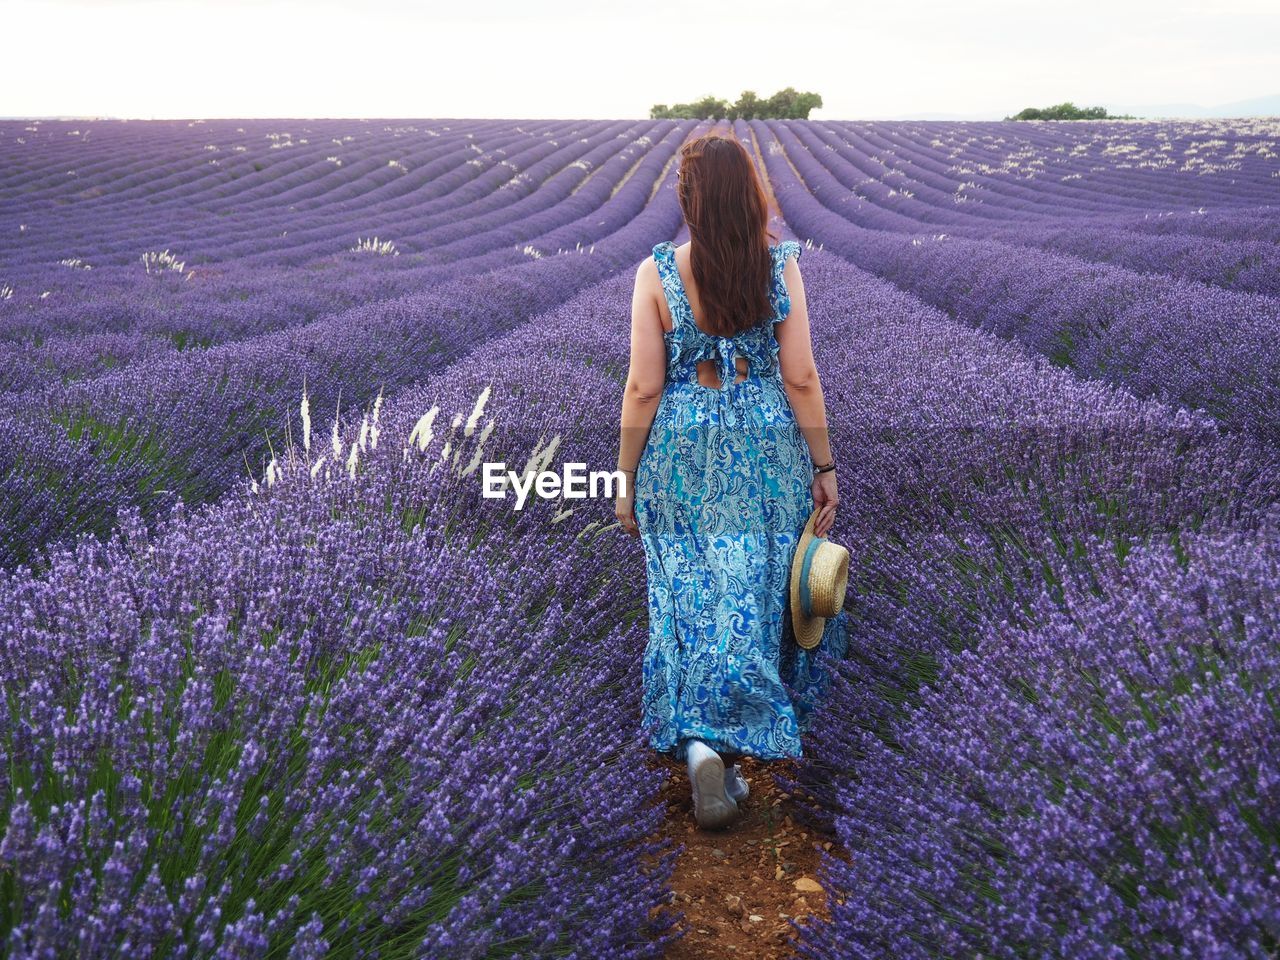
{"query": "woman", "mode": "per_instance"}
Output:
(724, 443)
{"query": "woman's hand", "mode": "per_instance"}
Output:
(825, 500)
(624, 509)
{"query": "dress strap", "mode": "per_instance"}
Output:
(787, 248)
(664, 254)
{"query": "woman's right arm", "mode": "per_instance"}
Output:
(804, 391)
(646, 377)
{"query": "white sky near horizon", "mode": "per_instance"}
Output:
(505, 59)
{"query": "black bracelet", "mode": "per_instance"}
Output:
(827, 469)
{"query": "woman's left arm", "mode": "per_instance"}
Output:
(646, 377)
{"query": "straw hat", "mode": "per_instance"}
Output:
(819, 580)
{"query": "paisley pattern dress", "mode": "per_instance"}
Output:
(722, 494)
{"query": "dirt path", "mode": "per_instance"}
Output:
(740, 887)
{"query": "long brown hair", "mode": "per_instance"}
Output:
(727, 211)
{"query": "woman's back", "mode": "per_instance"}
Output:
(712, 358)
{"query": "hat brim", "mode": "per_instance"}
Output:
(807, 630)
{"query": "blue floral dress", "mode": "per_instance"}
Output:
(722, 494)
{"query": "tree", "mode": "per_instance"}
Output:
(788, 104)
(748, 106)
(711, 108)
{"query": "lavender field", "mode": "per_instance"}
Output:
(279, 682)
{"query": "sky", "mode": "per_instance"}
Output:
(604, 60)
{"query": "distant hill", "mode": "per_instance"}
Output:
(1254, 107)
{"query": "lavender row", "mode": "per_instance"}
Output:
(1175, 340)
(990, 501)
(890, 178)
(1248, 266)
(517, 197)
(185, 426)
(1222, 225)
(332, 719)
(1095, 778)
(1018, 172)
(232, 301)
(911, 202)
(383, 196)
(150, 170)
(55, 295)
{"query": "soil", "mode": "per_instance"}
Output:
(740, 887)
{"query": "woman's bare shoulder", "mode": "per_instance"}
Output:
(647, 271)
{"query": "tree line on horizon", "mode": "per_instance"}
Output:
(786, 104)
(791, 104)
(1068, 111)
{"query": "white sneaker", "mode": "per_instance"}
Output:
(735, 785)
(712, 807)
